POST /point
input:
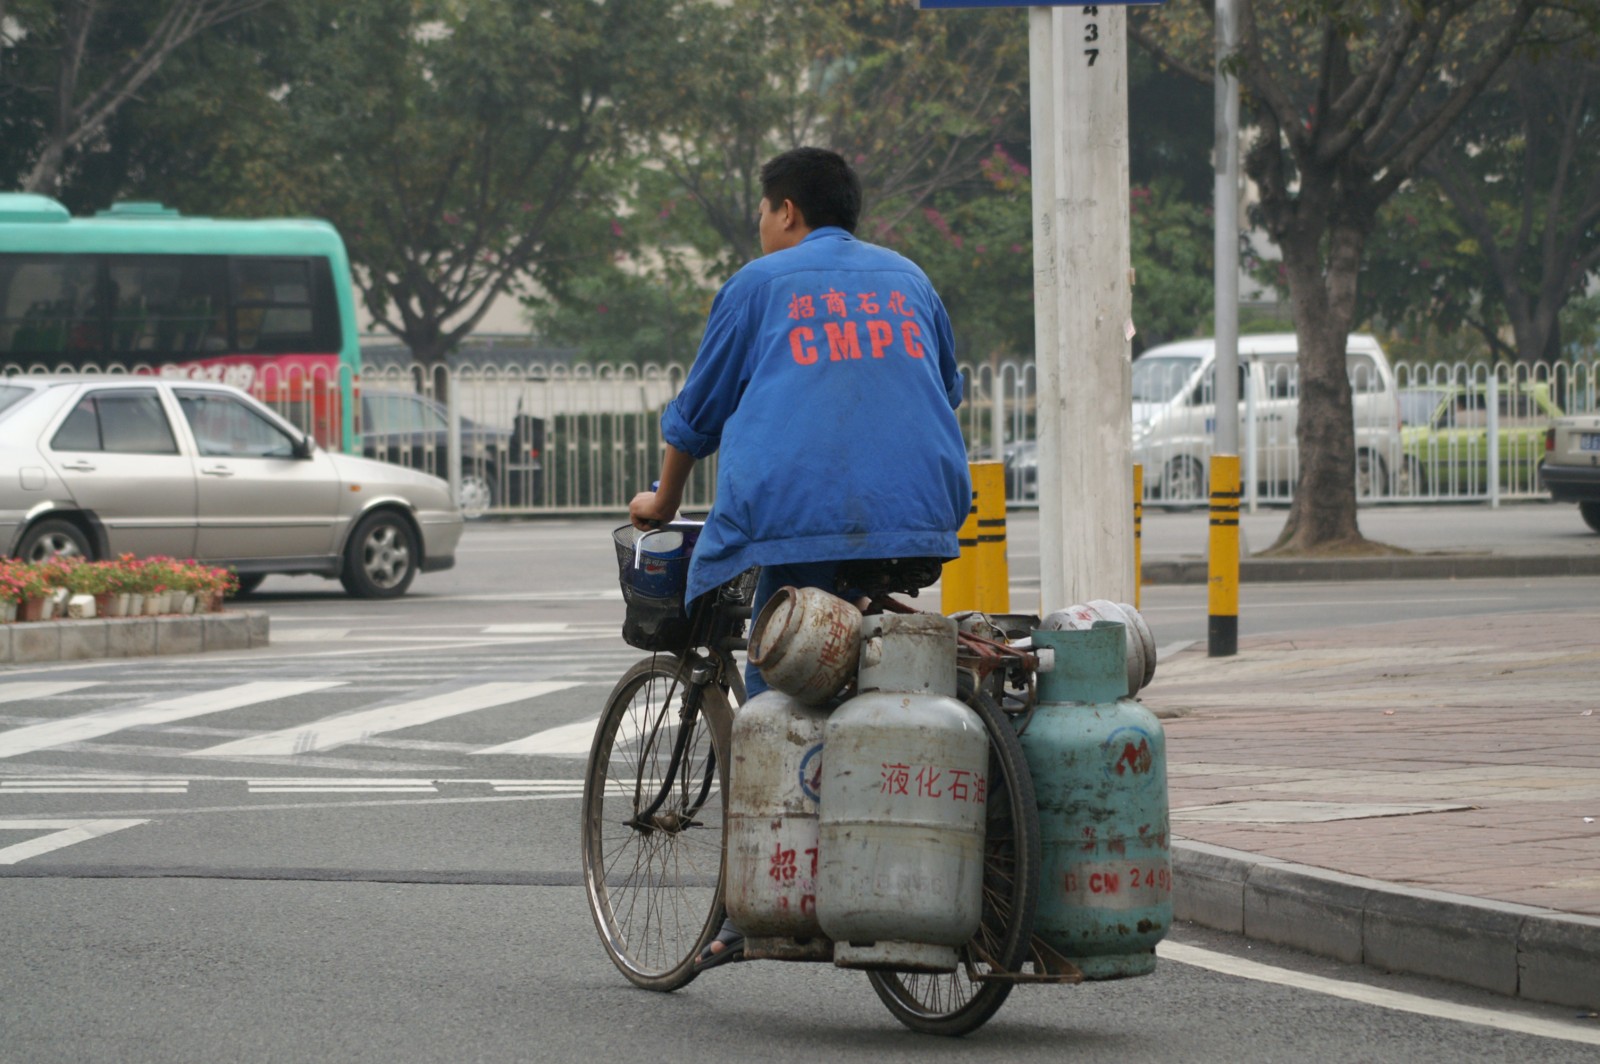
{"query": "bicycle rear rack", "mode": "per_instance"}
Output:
(1049, 966)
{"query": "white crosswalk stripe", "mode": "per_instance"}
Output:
(27, 690)
(86, 726)
(353, 727)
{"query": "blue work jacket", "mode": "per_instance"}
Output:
(827, 382)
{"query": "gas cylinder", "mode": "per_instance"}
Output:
(1141, 644)
(1099, 767)
(773, 787)
(904, 783)
(806, 643)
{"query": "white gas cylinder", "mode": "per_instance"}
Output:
(773, 790)
(905, 785)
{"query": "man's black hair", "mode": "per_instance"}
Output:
(819, 182)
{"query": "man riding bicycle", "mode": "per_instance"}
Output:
(826, 382)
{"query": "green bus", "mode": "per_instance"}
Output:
(262, 304)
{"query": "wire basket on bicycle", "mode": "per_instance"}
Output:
(653, 569)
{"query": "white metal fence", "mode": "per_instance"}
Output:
(556, 439)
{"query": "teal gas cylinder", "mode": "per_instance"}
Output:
(1099, 764)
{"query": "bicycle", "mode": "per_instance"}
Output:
(669, 815)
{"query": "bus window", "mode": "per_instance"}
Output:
(167, 304)
(276, 304)
(48, 305)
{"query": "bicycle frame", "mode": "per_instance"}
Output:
(721, 620)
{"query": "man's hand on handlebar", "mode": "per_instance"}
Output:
(648, 510)
(654, 508)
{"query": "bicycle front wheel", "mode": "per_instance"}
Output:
(955, 1004)
(653, 822)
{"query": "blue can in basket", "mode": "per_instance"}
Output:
(661, 562)
(655, 563)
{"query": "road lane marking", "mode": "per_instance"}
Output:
(309, 635)
(568, 740)
(27, 690)
(355, 727)
(90, 785)
(87, 726)
(66, 833)
(1396, 1000)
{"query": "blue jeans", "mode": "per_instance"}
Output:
(802, 574)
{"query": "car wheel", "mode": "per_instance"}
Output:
(380, 560)
(1372, 479)
(477, 493)
(248, 582)
(1591, 514)
(1183, 483)
(54, 539)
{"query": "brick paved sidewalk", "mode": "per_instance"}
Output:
(1455, 755)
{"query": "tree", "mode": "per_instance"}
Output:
(68, 67)
(461, 145)
(1523, 172)
(1348, 97)
(914, 99)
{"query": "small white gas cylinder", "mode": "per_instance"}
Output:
(773, 788)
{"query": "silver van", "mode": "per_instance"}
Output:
(1174, 416)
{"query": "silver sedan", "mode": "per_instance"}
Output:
(101, 466)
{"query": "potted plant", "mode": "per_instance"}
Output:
(97, 579)
(10, 592)
(36, 584)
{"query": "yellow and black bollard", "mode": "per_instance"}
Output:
(979, 579)
(1222, 628)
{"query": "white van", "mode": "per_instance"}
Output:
(1174, 416)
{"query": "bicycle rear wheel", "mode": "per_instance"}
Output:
(653, 822)
(956, 1004)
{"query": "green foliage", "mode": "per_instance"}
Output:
(1170, 129)
(977, 248)
(69, 69)
(913, 99)
(613, 315)
(1172, 252)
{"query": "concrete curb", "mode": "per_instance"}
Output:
(39, 642)
(1516, 950)
(1402, 567)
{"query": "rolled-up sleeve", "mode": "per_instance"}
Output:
(693, 421)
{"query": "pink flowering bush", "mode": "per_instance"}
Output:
(21, 582)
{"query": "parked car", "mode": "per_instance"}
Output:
(1174, 413)
(1021, 462)
(102, 466)
(413, 430)
(1446, 450)
(1571, 465)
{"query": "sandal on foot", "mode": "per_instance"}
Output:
(732, 950)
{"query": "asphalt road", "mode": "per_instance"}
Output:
(350, 865)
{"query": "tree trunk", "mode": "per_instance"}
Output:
(45, 175)
(1323, 515)
(432, 354)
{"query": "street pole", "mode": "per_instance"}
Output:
(1223, 543)
(1225, 245)
(1082, 303)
